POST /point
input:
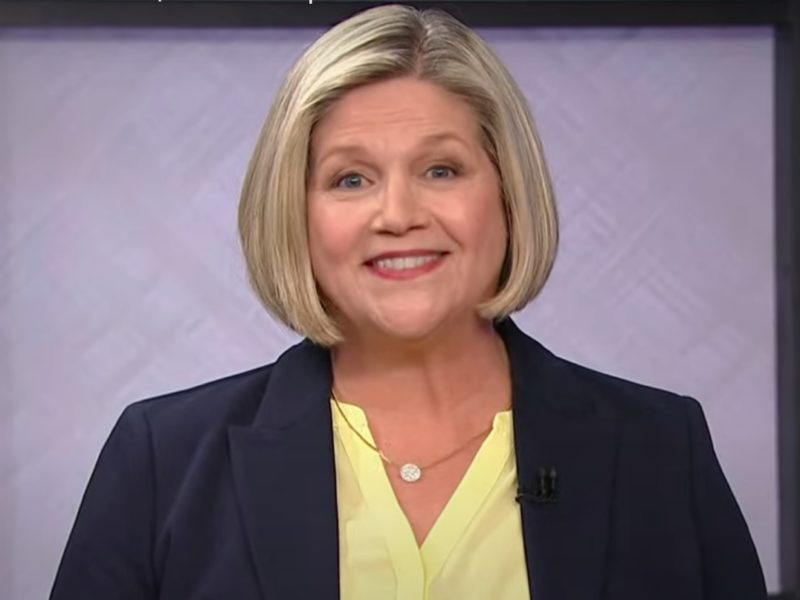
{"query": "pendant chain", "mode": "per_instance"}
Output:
(409, 472)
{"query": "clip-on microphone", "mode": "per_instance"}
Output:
(546, 488)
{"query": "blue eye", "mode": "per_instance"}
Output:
(441, 172)
(349, 181)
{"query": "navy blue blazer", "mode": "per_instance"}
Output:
(228, 490)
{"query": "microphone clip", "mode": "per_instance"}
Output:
(546, 488)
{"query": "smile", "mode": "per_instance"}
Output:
(405, 267)
(403, 263)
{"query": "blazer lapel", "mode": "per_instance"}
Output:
(558, 426)
(285, 480)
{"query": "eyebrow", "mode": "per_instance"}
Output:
(432, 138)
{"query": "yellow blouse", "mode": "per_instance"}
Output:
(474, 550)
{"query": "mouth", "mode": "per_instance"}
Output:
(405, 265)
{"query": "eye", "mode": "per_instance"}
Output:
(442, 172)
(349, 181)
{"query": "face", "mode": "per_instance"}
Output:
(406, 225)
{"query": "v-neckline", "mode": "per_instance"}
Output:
(460, 509)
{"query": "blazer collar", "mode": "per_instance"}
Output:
(285, 480)
(284, 474)
(559, 424)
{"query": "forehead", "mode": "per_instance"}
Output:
(396, 110)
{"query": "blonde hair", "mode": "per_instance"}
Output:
(374, 45)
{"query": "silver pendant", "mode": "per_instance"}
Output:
(410, 472)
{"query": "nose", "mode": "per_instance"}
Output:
(400, 209)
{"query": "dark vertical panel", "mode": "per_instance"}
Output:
(787, 231)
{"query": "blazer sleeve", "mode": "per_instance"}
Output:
(108, 554)
(731, 568)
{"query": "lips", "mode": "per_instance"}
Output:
(405, 264)
(408, 256)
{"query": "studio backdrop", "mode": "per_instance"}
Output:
(122, 153)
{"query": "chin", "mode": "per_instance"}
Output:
(409, 326)
(416, 325)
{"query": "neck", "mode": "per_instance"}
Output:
(461, 371)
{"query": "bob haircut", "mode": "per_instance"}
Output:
(378, 44)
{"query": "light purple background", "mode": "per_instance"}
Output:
(121, 157)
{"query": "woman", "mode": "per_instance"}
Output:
(417, 444)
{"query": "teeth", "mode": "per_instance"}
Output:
(406, 262)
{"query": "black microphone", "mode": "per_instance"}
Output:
(546, 488)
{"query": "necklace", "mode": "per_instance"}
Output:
(409, 472)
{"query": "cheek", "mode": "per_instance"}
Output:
(319, 240)
(495, 242)
(331, 238)
(486, 225)
(490, 242)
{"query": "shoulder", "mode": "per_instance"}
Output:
(193, 423)
(176, 425)
(624, 397)
(231, 400)
(649, 419)
(179, 440)
(574, 389)
(665, 459)
(570, 388)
